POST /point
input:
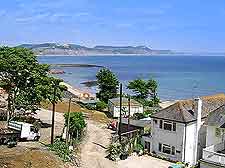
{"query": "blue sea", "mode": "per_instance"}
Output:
(179, 77)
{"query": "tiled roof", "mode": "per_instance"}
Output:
(186, 110)
(217, 117)
(116, 102)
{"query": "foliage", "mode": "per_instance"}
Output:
(145, 90)
(107, 84)
(114, 150)
(61, 149)
(101, 105)
(148, 113)
(25, 80)
(138, 116)
(77, 124)
(139, 147)
(18, 71)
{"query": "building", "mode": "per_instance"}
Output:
(178, 132)
(214, 153)
(114, 107)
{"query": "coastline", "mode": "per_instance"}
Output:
(77, 65)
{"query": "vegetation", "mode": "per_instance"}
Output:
(108, 85)
(61, 149)
(25, 80)
(145, 91)
(101, 105)
(114, 151)
(138, 116)
(77, 124)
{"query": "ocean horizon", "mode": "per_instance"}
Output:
(179, 77)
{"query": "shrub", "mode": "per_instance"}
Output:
(61, 149)
(148, 113)
(114, 150)
(77, 124)
(101, 105)
(138, 116)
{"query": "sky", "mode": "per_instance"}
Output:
(181, 25)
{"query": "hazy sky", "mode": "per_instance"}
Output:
(189, 25)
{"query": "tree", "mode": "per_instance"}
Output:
(77, 124)
(145, 90)
(108, 85)
(24, 79)
(19, 70)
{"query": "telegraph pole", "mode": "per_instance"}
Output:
(120, 122)
(68, 123)
(128, 122)
(53, 115)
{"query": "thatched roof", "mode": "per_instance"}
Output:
(186, 110)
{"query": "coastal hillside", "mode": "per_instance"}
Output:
(73, 49)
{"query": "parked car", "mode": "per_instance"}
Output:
(177, 166)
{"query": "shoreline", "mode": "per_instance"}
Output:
(77, 65)
(130, 55)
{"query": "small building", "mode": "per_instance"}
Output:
(178, 133)
(214, 152)
(114, 107)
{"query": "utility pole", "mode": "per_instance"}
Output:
(128, 122)
(120, 122)
(53, 115)
(68, 123)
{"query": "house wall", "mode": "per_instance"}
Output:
(190, 143)
(212, 139)
(115, 110)
(191, 136)
(172, 138)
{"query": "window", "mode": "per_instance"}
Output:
(173, 150)
(174, 126)
(168, 126)
(218, 132)
(155, 121)
(167, 149)
(160, 147)
(160, 124)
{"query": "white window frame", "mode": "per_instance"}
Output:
(170, 123)
(168, 147)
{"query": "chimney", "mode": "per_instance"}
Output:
(198, 126)
(199, 113)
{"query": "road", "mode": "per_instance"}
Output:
(93, 148)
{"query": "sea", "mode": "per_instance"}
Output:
(178, 77)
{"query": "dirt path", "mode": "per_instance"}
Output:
(94, 147)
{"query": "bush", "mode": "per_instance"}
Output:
(101, 105)
(114, 150)
(61, 149)
(77, 124)
(148, 113)
(138, 116)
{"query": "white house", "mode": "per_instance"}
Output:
(178, 132)
(114, 107)
(214, 153)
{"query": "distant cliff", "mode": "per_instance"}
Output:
(73, 49)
